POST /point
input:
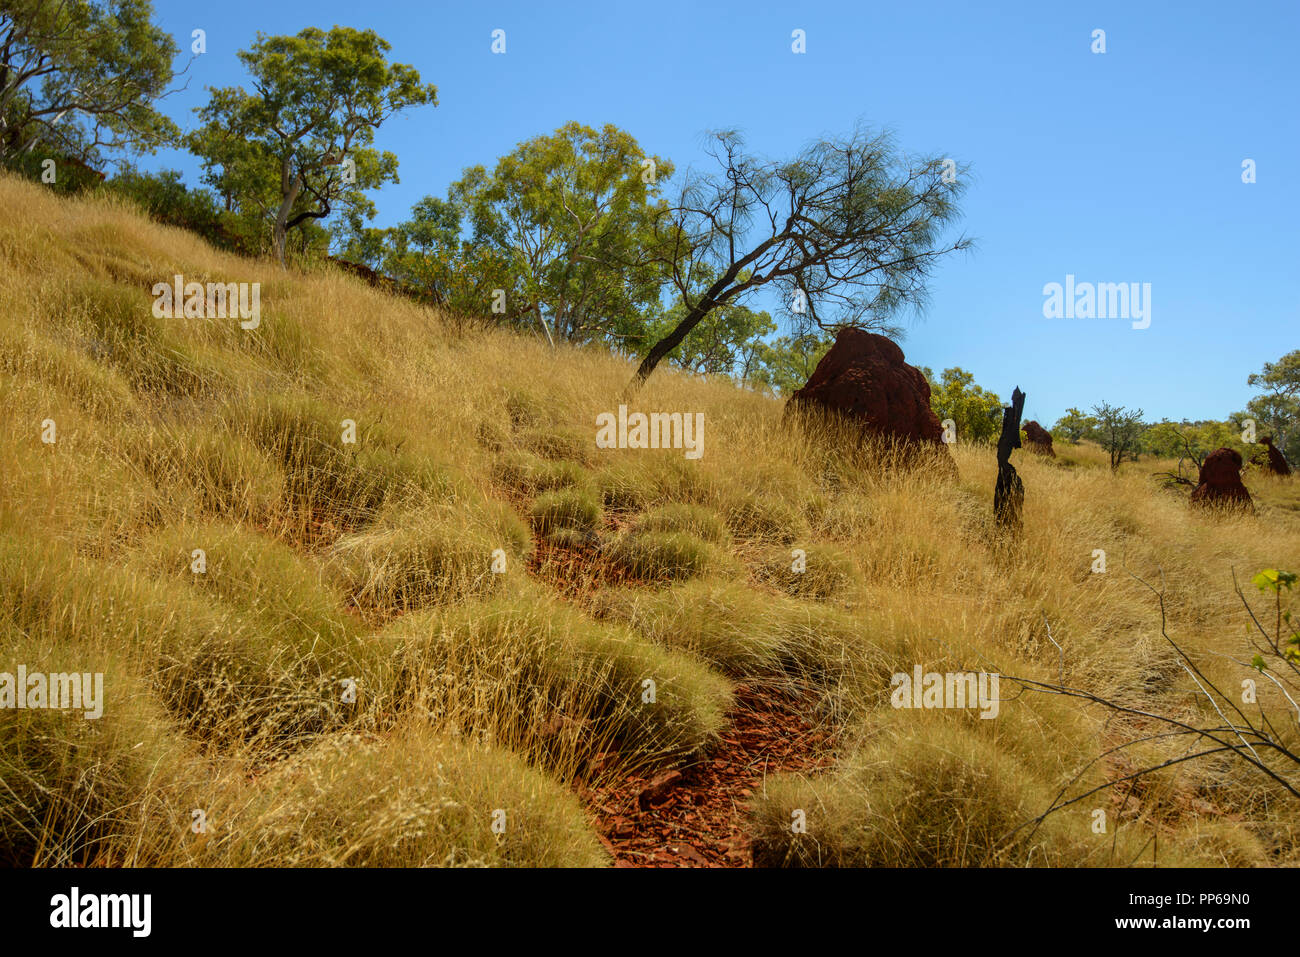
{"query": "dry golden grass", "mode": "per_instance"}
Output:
(369, 567)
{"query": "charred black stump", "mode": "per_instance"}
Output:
(1009, 493)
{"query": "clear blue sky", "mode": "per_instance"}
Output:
(1115, 167)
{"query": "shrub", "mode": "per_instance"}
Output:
(932, 796)
(416, 799)
(529, 474)
(165, 198)
(695, 520)
(765, 521)
(565, 508)
(207, 658)
(508, 666)
(348, 482)
(827, 572)
(661, 556)
(437, 553)
(74, 788)
(623, 488)
(748, 633)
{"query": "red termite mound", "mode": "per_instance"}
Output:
(1038, 439)
(1220, 481)
(1276, 460)
(865, 380)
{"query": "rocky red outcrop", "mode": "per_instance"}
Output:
(1220, 481)
(864, 379)
(1276, 460)
(1038, 439)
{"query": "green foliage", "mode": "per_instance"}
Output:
(1075, 426)
(977, 413)
(1192, 440)
(427, 255)
(69, 175)
(166, 199)
(303, 142)
(76, 78)
(1270, 579)
(1277, 411)
(785, 364)
(1284, 643)
(728, 341)
(846, 232)
(560, 221)
(1119, 431)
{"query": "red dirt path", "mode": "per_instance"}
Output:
(701, 820)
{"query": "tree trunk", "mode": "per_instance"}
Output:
(537, 311)
(668, 343)
(1009, 493)
(290, 187)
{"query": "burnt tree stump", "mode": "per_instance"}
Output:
(1009, 493)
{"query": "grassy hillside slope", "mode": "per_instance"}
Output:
(309, 659)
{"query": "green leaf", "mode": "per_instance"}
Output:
(1267, 579)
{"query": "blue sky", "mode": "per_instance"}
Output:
(1116, 167)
